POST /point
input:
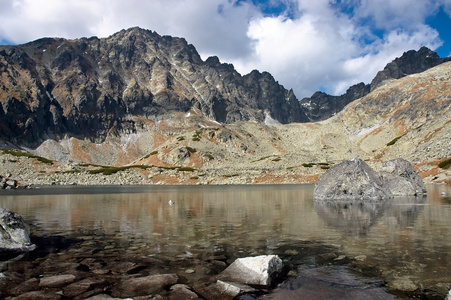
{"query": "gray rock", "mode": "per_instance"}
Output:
(233, 289)
(14, 233)
(181, 291)
(349, 180)
(259, 270)
(56, 281)
(401, 179)
(143, 286)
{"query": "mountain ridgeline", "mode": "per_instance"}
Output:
(90, 88)
(321, 106)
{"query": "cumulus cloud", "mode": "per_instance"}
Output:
(306, 45)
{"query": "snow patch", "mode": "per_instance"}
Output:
(269, 120)
(365, 131)
(128, 140)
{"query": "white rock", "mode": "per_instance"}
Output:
(258, 270)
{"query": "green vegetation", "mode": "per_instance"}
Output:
(325, 167)
(150, 154)
(230, 175)
(26, 154)
(393, 141)
(262, 158)
(308, 165)
(71, 172)
(194, 177)
(181, 138)
(113, 170)
(209, 156)
(290, 168)
(277, 159)
(196, 136)
(185, 169)
(191, 150)
(445, 164)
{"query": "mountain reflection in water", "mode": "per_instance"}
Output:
(407, 238)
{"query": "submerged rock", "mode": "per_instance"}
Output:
(259, 270)
(349, 180)
(401, 179)
(14, 233)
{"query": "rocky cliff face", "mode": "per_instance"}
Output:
(321, 106)
(91, 87)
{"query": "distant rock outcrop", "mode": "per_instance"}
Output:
(411, 62)
(354, 180)
(321, 106)
(91, 87)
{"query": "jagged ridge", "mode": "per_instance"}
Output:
(321, 106)
(91, 87)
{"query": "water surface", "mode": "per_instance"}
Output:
(404, 241)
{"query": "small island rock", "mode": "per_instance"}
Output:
(401, 179)
(349, 180)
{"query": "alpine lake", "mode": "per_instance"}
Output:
(104, 235)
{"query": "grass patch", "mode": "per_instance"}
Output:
(209, 156)
(186, 169)
(114, 170)
(71, 172)
(262, 158)
(445, 164)
(230, 175)
(196, 136)
(150, 154)
(26, 154)
(393, 141)
(191, 150)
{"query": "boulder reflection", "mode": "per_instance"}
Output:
(355, 218)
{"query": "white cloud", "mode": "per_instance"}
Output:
(313, 45)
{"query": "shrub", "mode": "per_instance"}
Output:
(393, 141)
(209, 156)
(181, 138)
(186, 169)
(191, 150)
(445, 164)
(309, 165)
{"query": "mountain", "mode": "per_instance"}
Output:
(321, 106)
(92, 88)
(408, 117)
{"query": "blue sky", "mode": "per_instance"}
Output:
(306, 45)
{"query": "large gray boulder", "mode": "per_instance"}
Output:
(354, 180)
(14, 233)
(349, 180)
(401, 179)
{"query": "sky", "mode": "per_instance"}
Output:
(307, 45)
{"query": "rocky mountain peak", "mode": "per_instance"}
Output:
(321, 106)
(91, 87)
